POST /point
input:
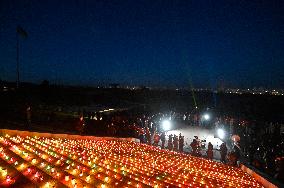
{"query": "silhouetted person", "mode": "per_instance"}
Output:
(237, 152)
(194, 146)
(181, 142)
(223, 152)
(232, 158)
(112, 130)
(163, 139)
(279, 163)
(175, 142)
(156, 139)
(81, 125)
(170, 142)
(210, 151)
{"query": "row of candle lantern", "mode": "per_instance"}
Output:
(112, 163)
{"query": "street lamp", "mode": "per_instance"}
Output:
(206, 117)
(166, 125)
(221, 133)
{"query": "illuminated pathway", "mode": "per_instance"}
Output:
(55, 162)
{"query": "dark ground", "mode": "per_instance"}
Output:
(57, 108)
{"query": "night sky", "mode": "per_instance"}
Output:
(155, 43)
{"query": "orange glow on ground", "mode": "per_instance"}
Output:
(56, 162)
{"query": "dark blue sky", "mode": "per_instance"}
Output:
(169, 43)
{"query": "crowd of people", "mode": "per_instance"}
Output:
(266, 153)
(259, 152)
(174, 143)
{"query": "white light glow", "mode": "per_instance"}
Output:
(166, 125)
(206, 117)
(221, 133)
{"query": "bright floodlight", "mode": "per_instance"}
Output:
(206, 117)
(166, 125)
(221, 133)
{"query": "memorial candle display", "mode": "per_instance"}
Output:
(57, 162)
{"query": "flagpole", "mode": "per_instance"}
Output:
(18, 64)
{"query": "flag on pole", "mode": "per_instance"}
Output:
(21, 32)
